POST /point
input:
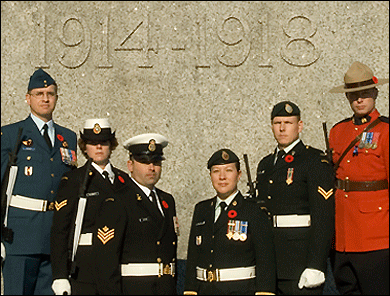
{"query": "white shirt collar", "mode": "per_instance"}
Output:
(145, 189)
(227, 200)
(40, 123)
(289, 147)
(108, 168)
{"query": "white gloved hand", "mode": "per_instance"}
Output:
(2, 251)
(311, 278)
(60, 286)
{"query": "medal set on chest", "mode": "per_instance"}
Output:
(237, 230)
(369, 140)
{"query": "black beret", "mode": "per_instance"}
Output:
(40, 79)
(285, 108)
(222, 156)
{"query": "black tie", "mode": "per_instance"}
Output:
(281, 153)
(154, 199)
(46, 135)
(105, 174)
(223, 206)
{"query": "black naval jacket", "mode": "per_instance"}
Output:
(209, 247)
(97, 193)
(310, 192)
(140, 235)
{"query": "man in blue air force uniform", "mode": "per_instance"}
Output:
(47, 151)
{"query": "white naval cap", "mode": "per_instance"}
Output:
(146, 147)
(97, 129)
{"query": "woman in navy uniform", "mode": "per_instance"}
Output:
(137, 236)
(230, 249)
(105, 184)
(42, 159)
(297, 189)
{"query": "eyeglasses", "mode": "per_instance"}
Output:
(40, 95)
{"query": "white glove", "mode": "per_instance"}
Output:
(311, 278)
(60, 286)
(2, 251)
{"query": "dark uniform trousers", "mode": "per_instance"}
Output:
(27, 267)
(300, 184)
(139, 234)
(98, 192)
(210, 248)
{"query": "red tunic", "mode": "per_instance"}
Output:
(362, 217)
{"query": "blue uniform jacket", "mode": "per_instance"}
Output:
(39, 173)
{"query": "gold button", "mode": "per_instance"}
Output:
(366, 151)
(356, 128)
(28, 157)
(269, 197)
(158, 242)
(159, 260)
(52, 175)
(174, 243)
(212, 236)
(212, 251)
(51, 159)
(271, 181)
(211, 265)
(348, 161)
(380, 208)
(52, 192)
(346, 178)
(173, 259)
(346, 195)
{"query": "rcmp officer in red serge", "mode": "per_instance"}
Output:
(297, 189)
(230, 249)
(77, 274)
(47, 150)
(362, 197)
(137, 244)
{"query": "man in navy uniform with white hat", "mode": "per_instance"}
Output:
(296, 185)
(47, 150)
(138, 238)
(74, 233)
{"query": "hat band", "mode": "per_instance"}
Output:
(359, 84)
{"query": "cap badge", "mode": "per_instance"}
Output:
(225, 156)
(152, 145)
(288, 108)
(97, 129)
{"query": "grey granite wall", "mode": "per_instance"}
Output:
(204, 74)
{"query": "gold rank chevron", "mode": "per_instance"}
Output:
(105, 234)
(325, 194)
(58, 206)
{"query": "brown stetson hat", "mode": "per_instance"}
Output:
(358, 77)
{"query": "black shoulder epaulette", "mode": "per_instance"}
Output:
(384, 119)
(344, 120)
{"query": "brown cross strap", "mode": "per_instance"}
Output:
(370, 126)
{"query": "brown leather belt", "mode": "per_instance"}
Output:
(348, 185)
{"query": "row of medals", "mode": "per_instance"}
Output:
(237, 230)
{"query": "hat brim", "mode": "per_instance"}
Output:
(342, 89)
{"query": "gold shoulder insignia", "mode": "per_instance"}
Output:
(109, 199)
(63, 203)
(325, 194)
(105, 234)
(324, 160)
(139, 197)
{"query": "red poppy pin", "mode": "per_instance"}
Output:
(375, 79)
(232, 214)
(289, 158)
(121, 179)
(165, 205)
(59, 137)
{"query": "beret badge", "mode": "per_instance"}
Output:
(97, 129)
(152, 145)
(225, 155)
(288, 108)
